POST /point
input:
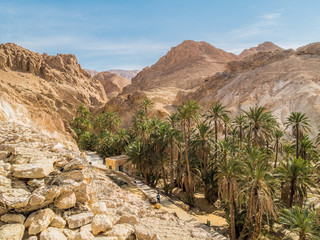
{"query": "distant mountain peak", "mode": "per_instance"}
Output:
(262, 47)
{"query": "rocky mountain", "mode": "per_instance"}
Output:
(282, 81)
(127, 74)
(184, 66)
(112, 83)
(49, 192)
(91, 72)
(263, 47)
(44, 91)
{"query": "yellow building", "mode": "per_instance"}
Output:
(119, 163)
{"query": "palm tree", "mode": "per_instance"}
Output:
(256, 186)
(215, 114)
(300, 221)
(260, 125)
(146, 105)
(295, 174)
(226, 121)
(307, 149)
(227, 173)
(187, 113)
(299, 123)
(278, 134)
(240, 122)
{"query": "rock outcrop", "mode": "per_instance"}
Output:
(44, 91)
(111, 82)
(30, 208)
(263, 47)
(282, 81)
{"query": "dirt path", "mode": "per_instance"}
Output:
(144, 191)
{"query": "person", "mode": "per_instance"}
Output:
(158, 198)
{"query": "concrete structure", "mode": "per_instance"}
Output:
(118, 163)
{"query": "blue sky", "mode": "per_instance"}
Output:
(133, 34)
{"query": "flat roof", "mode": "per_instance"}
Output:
(119, 157)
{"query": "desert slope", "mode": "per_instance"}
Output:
(263, 47)
(281, 81)
(44, 91)
(184, 66)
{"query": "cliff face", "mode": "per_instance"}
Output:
(281, 81)
(44, 91)
(184, 66)
(112, 83)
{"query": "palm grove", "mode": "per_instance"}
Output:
(263, 174)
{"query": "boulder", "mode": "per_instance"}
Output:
(71, 234)
(157, 206)
(12, 231)
(84, 235)
(100, 223)
(14, 197)
(143, 233)
(13, 218)
(79, 220)
(84, 192)
(131, 219)
(33, 238)
(41, 220)
(66, 199)
(32, 170)
(52, 234)
(58, 222)
(4, 181)
(99, 208)
(121, 231)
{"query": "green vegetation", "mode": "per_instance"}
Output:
(263, 174)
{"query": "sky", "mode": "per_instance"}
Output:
(133, 34)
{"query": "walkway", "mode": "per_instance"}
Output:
(150, 193)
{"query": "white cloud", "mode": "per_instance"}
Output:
(263, 25)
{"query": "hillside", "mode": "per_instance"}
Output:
(127, 74)
(184, 66)
(44, 91)
(112, 83)
(263, 47)
(282, 81)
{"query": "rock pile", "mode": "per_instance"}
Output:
(59, 196)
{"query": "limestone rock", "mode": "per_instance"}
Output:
(41, 220)
(84, 192)
(12, 231)
(32, 170)
(84, 235)
(100, 223)
(4, 181)
(79, 220)
(66, 199)
(99, 208)
(122, 231)
(71, 234)
(142, 233)
(58, 222)
(131, 219)
(52, 234)
(13, 218)
(14, 198)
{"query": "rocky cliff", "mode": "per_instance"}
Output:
(44, 91)
(112, 83)
(184, 66)
(48, 192)
(282, 81)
